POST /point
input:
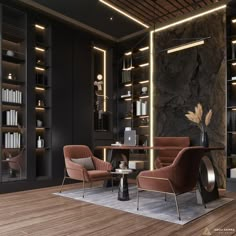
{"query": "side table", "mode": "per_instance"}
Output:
(123, 191)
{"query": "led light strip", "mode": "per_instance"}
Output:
(143, 65)
(189, 18)
(40, 49)
(39, 68)
(123, 13)
(234, 42)
(143, 82)
(234, 64)
(104, 76)
(128, 85)
(185, 46)
(39, 27)
(39, 88)
(143, 49)
(234, 21)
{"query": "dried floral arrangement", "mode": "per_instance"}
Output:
(196, 117)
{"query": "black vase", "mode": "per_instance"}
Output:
(204, 139)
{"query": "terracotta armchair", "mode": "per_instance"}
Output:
(166, 157)
(78, 167)
(178, 178)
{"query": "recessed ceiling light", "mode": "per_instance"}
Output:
(111, 18)
(124, 13)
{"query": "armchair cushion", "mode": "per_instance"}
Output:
(86, 162)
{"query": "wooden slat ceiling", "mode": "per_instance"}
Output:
(160, 11)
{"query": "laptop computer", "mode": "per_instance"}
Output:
(130, 138)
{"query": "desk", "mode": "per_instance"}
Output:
(207, 174)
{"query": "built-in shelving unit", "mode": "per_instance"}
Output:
(134, 94)
(133, 105)
(42, 68)
(231, 100)
(13, 94)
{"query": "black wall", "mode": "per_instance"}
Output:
(195, 75)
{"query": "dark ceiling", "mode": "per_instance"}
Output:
(113, 25)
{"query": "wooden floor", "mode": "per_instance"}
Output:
(39, 212)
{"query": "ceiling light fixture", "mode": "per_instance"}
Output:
(185, 46)
(123, 13)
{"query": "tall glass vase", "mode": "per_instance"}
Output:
(204, 139)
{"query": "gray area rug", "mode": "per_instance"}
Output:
(151, 204)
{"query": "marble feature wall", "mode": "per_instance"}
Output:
(185, 78)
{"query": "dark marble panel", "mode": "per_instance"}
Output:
(185, 78)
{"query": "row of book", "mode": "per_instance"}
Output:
(12, 140)
(10, 95)
(11, 117)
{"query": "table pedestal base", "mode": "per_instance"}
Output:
(123, 192)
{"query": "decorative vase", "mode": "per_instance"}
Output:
(204, 139)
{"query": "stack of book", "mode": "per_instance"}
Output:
(12, 140)
(10, 95)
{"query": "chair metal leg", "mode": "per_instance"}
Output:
(177, 207)
(83, 188)
(62, 184)
(137, 199)
(112, 184)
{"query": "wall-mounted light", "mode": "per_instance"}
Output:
(124, 13)
(190, 18)
(186, 46)
(143, 49)
(39, 68)
(128, 85)
(143, 82)
(104, 76)
(143, 65)
(39, 27)
(40, 49)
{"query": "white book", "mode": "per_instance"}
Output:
(234, 78)
(8, 118)
(11, 141)
(20, 97)
(19, 138)
(16, 117)
(5, 140)
(138, 108)
(7, 95)
(144, 108)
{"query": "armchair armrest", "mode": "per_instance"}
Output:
(101, 165)
(76, 171)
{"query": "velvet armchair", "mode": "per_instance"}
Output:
(166, 157)
(82, 165)
(178, 178)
